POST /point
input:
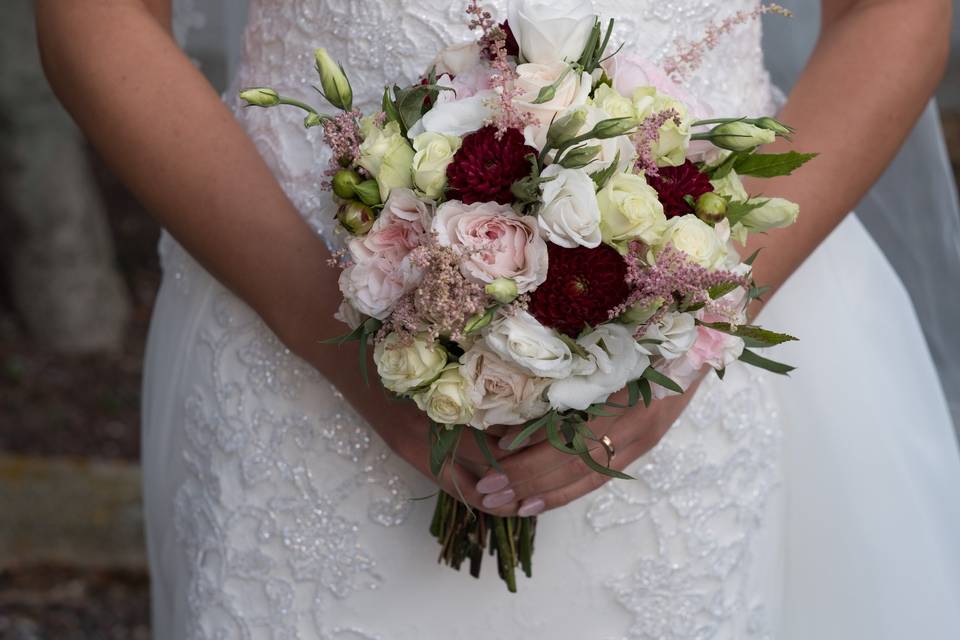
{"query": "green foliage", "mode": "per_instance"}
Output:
(753, 359)
(771, 165)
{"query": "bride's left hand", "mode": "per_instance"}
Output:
(539, 478)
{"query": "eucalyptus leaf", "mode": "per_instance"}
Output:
(596, 466)
(531, 428)
(443, 441)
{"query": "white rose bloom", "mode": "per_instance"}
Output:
(609, 100)
(630, 209)
(730, 186)
(698, 240)
(456, 117)
(776, 213)
(570, 215)
(434, 153)
(405, 367)
(677, 333)
(551, 30)
(573, 91)
(616, 358)
(521, 339)
(446, 401)
(457, 59)
(671, 149)
(500, 392)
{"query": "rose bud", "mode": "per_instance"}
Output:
(503, 290)
(345, 183)
(741, 136)
(333, 81)
(479, 322)
(356, 218)
(260, 97)
(711, 208)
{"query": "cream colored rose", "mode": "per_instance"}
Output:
(608, 99)
(671, 149)
(573, 91)
(630, 209)
(501, 392)
(698, 240)
(446, 401)
(570, 216)
(434, 153)
(403, 367)
(388, 157)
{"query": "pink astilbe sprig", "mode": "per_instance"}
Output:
(688, 56)
(673, 277)
(443, 302)
(493, 43)
(648, 136)
(342, 135)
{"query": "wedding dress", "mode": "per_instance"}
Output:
(824, 506)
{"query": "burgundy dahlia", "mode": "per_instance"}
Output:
(485, 168)
(583, 285)
(674, 184)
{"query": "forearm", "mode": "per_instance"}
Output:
(870, 77)
(167, 135)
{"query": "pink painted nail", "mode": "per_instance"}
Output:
(493, 482)
(498, 500)
(531, 507)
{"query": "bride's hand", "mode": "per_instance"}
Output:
(539, 478)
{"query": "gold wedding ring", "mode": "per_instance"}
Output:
(611, 450)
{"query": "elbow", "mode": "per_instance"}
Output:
(936, 32)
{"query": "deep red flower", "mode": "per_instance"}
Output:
(675, 183)
(485, 168)
(583, 285)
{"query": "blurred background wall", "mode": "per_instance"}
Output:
(78, 274)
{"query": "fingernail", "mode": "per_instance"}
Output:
(507, 441)
(531, 507)
(493, 482)
(497, 500)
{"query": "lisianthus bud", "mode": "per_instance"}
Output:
(314, 120)
(774, 125)
(369, 193)
(580, 157)
(614, 128)
(333, 80)
(479, 322)
(775, 213)
(356, 218)
(503, 290)
(260, 97)
(641, 313)
(345, 183)
(711, 208)
(566, 127)
(741, 136)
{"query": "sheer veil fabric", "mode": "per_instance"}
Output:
(824, 506)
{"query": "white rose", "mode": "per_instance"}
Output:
(551, 30)
(608, 99)
(456, 117)
(630, 210)
(573, 91)
(388, 157)
(616, 359)
(698, 240)
(677, 333)
(434, 153)
(501, 392)
(671, 148)
(730, 186)
(405, 367)
(521, 339)
(457, 59)
(446, 400)
(775, 213)
(570, 215)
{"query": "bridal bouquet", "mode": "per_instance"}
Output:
(541, 223)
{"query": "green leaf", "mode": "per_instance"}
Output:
(757, 293)
(578, 442)
(633, 390)
(751, 358)
(723, 169)
(753, 258)
(737, 211)
(598, 411)
(363, 360)
(443, 441)
(754, 337)
(721, 373)
(556, 440)
(646, 391)
(390, 108)
(356, 334)
(531, 428)
(721, 290)
(601, 178)
(656, 377)
(772, 165)
(485, 449)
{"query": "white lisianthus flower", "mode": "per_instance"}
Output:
(551, 30)
(630, 209)
(671, 148)
(570, 215)
(434, 153)
(388, 157)
(456, 117)
(573, 91)
(446, 401)
(698, 240)
(457, 59)
(522, 340)
(406, 367)
(730, 186)
(677, 333)
(615, 358)
(775, 213)
(500, 392)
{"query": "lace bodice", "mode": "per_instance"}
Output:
(396, 40)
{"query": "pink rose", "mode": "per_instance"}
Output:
(631, 72)
(383, 271)
(495, 242)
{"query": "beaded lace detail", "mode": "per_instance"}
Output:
(284, 479)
